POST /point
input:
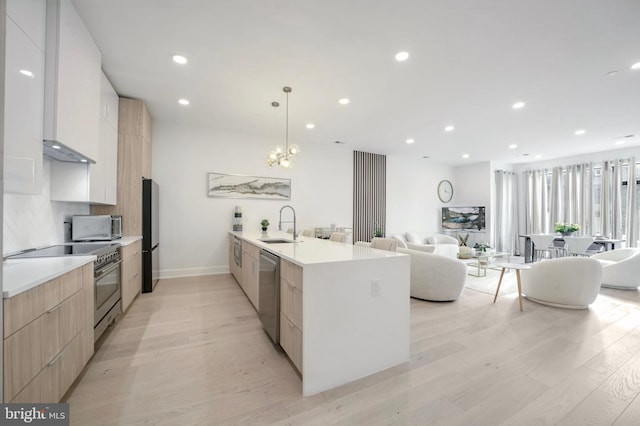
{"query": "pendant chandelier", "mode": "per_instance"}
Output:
(282, 155)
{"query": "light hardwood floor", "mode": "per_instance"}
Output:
(193, 352)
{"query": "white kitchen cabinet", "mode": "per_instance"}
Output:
(72, 86)
(24, 97)
(103, 185)
(93, 183)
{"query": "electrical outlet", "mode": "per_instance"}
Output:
(375, 288)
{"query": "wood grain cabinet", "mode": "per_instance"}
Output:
(48, 337)
(131, 273)
(134, 163)
(235, 270)
(291, 311)
(250, 274)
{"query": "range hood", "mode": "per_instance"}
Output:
(61, 152)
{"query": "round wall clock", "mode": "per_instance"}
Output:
(445, 191)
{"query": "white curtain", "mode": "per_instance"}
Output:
(536, 202)
(632, 210)
(585, 214)
(556, 213)
(616, 206)
(506, 212)
(605, 199)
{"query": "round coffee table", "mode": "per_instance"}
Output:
(518, 267)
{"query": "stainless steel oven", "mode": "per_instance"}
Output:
(107, 278)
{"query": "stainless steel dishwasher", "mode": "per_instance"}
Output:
(269, 294)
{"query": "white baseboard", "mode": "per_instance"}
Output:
(193, 272)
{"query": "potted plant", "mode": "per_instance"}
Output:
(566, 228)
(464, 252)
(264, 224)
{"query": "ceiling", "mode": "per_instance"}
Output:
(470, 61)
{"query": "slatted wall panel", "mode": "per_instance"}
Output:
(369, 195)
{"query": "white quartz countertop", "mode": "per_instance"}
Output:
(310, 250)
(125, 241)
(20, 275)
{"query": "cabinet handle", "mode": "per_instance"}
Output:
(55, 307)
(54, 359)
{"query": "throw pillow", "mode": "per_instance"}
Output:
(413, 238)
(431, 240)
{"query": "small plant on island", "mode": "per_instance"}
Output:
(264, 224)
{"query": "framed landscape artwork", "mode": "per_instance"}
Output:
(238, 186)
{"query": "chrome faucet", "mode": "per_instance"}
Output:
(294, 221)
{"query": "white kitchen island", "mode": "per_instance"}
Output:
(355, 308)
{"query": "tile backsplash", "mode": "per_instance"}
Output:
(34, 220)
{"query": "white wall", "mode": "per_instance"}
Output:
(474, 187)
(412, 194)
(34, 220)
(194, 228)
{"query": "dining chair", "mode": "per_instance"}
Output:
(579, 246)
(340, 237)
(543, 246)
(307, 233)
(388, 244)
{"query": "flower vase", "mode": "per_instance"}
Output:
(567, 234)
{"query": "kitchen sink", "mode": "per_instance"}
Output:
(277, 241)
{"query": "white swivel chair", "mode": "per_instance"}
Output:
(620, 268)
(543, 245)
(567, 282)
(307, 233)
(340, 237)
(579, 246)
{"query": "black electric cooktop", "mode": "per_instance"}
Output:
(63, 250)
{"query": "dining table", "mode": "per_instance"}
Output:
(529, 249)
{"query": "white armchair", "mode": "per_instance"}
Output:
(441, 244)
(434, 277)
(568, 282)
(620, 268)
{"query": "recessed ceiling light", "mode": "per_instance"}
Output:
(538, 156)
(525, 155)
(636, 66)
(83, 160)
(402, 56)
(344, 101)
(611, 73)
(513, 146)
(425, 156)
(580, 132)
(518, 105)
(55, 146)
(449, 129)
(620, 142)
(183, 101)
(340, 142)
(310, 125)
(179, 59)
(410, 141)
(465, 156)
(27, 73)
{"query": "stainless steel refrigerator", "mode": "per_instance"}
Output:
(150, 235)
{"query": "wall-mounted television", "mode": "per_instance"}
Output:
(463, 218)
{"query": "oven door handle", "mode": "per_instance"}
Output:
(106, 270)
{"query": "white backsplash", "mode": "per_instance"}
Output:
(34, 220)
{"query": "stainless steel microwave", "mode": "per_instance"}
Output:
(96, 227)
